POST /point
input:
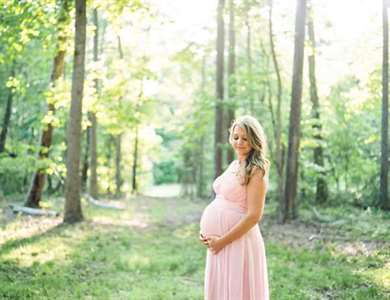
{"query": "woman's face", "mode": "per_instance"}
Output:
(240, 142)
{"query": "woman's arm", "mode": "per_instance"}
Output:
(256, 191)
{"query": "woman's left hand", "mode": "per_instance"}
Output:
(215, 244)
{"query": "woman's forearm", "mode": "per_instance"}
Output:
(240, 229)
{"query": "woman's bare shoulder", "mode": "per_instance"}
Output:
(262, 173)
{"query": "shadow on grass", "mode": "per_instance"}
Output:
(113, 260)
(15, 243)
(108, 262)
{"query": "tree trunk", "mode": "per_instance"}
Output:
(200, 173)
(249, 59)
(290, 189)
(7, 117)
(383, 189)
(84, 171)
(135, 160)
(219, 136)
(73, 212)
(93, 187)
(118, 159)
(118, 140)
(231, 74)
(38, 182)
(279, 150)
(322, 188)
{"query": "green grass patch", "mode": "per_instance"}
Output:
(151, 251)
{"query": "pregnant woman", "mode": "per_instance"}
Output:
(236, 267)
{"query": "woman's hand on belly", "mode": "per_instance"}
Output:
(203, 239)
(215, 244)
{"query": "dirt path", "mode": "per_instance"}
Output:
(149, 212)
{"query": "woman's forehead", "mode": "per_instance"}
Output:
(239, 130)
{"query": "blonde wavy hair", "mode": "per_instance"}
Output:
(257, 157)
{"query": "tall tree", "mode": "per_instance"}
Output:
(73, 212)
(277, 124)
(383, 190)
(219, 135)
(231, 74)
(7, 115)
(118, 160)
(134, 185)
(321, 188)
(200, 162)
(118, 141)
(38, 182)
(85, 163)
(93, 188)
(295, 114)
(249, 57)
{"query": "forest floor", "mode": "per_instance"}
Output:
(150, 250)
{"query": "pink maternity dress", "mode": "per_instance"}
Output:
(238, 271)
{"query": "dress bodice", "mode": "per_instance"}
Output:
(228, 186)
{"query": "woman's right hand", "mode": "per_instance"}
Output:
(203, 239)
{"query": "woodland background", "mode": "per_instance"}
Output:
(116, 114)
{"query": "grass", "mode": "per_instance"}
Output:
(150, 251)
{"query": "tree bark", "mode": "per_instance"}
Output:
(322, 188)
(84, 171)
(7, 117)
(118, 141)
(93, 187)
(219, 136)
(118, 159)
(200, 172)
(200, 181)
(73, 212)
(135, 161)
(279, 151)
(38, 181)
(295, 114)
(249, 59)
(231, 74)
(384, 200)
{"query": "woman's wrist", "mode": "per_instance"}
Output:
(224, 240)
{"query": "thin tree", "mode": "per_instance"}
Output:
(295, 114)
(7, 115)
(38, 181)
(279, 149)
(322, 188)
(73, 212)
(118, 160)
(219, 135)
(118, 141)
(200, 180)
(93, 188)
(134, 185)
(231, 74)
(383, 189)
(85, 163)
(249, 57)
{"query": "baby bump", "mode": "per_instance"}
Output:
(218, 218)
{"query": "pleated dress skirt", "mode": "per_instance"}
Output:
(238, 271)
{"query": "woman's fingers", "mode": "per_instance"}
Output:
(203, 239)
